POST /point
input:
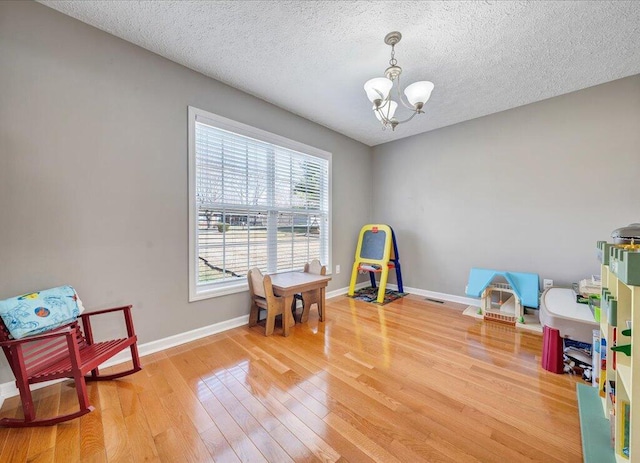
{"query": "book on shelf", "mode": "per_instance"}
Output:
(624, 427)
(612, 393)
(603, 367)
(595, 360)
(612, 427)
(615, 340)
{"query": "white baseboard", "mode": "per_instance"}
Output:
(9, 389)
(177, 339)
(343, 291)
(438, 296)
(417, 291)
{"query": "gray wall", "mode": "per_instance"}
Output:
(93, 171)
(529, 189)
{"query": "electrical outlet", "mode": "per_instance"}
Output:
(546, 284)
(337, 268)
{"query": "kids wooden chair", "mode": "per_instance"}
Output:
(315, 296)
(262, 298)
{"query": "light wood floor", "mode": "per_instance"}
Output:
(413, 381)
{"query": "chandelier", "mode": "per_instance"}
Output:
(379, 90)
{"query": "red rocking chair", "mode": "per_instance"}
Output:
(64, 352)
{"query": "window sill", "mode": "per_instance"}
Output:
(207, 293)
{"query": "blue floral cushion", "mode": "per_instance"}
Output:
(41, 311)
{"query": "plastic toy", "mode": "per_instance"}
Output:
(625, 348)
(521, 290)
(377, 252)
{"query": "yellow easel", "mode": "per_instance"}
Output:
(376, 252)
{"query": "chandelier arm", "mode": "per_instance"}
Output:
(406, 105)
(381, 96)
(401, 98)
(409, 118)
(387, 104)
(383, 118)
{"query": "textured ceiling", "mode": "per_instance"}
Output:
(312, 57)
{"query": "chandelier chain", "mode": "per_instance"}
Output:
(393, 61)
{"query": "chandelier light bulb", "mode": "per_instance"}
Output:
(419, 93)
(378, 88)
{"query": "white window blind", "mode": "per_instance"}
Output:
(258, 204)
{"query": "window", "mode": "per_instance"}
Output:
(255, 200)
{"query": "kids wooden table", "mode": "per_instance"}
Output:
(291, 283)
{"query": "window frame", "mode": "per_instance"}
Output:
(200, 292)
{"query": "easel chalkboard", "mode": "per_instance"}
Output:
(373, 245)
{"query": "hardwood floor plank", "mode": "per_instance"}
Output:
(293, 446)
(332, 445)
(157, 417)
(16, 445)
(115, 435)
(44, 438)
(236, 384)
(172, 447)
(253, 405)
(314, 439)
(190, 400)
(218, 446)
(67, 448)
(159, 383)
(91, 436)
(368, 446)
(96, 457)
(196, 413)
(390, 435)
(128, 398)
(188, 432)
(141, 442)
(251, 427)
(238, 440)
(46, 456)
(289, 381)
(108, 394)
